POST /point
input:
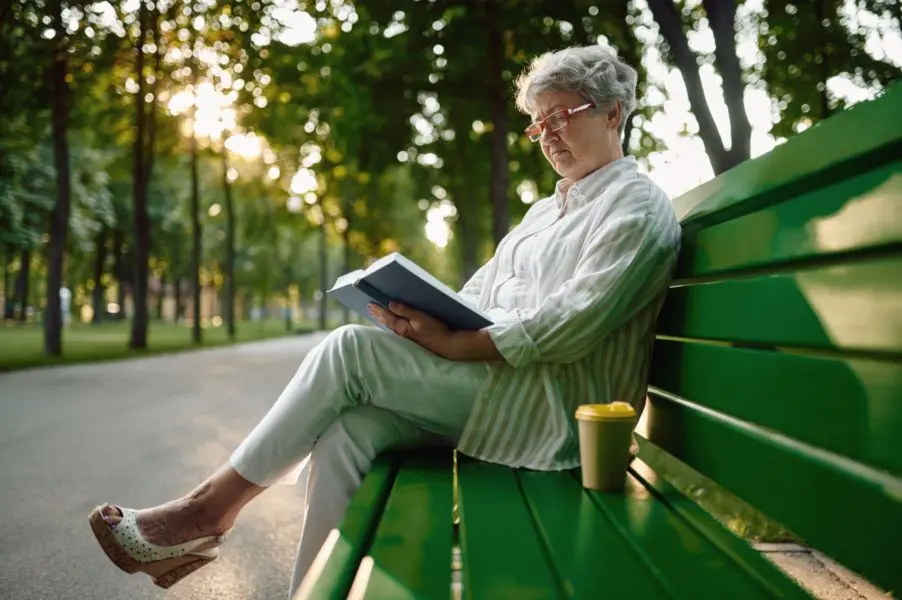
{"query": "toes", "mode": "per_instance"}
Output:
(111, 514)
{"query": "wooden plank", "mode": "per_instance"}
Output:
(839, 506)
(849, 406)
(830, 151)
(332, 572)
(590, 552)
(502, 554)
(411, 551)
(632, 545)
(853, 306)
(861, 212)
(760, 572)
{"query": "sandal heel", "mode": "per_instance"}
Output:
(170, 578)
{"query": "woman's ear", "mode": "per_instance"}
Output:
(615, 115)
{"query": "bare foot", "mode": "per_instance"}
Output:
(169, 524)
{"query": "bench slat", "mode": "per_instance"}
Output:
(750, 562)
(632, 545)
(590, 551)
(695, 567)
(836, 148)
(852, 306)
(850, 406)
(501, 553)
(411, 550)
(837, 505)
(331, 574)
(858, 213)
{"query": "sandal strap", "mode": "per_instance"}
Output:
(129, 536)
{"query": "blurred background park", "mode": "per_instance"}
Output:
(192, 172)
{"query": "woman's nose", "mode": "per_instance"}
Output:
(548, 136)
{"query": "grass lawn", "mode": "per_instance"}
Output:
(21, 346)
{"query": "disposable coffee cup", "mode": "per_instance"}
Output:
(605, 433)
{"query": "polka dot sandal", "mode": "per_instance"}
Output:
(166, 565)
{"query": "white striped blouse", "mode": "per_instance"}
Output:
(574, 291)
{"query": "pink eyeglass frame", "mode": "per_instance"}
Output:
(567, 113)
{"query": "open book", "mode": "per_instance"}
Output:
(394, 278)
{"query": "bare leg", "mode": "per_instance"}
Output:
(210, 509)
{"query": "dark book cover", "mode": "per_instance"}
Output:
(395, 278)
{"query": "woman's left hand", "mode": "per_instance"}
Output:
(433, 335)
(425, 330)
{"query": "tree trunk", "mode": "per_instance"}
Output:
(22, 282)
(59, 219)
(498, 104)
(722, 18)
(99, 262)
(161, 296)
(9, 299)
(177, 283)
(230, 248)
(139, 191)
(667, 16)
(323, 276)
(119, 271)
(196, 334)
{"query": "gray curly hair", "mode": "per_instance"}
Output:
(593, 72)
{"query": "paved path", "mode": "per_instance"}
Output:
(137, 433)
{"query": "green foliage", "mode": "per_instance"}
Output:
(26, 194)
(389, 104)
(805, 44)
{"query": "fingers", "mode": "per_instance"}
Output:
(402, 310)
(398, 324)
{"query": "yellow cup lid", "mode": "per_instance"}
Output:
(604, 412)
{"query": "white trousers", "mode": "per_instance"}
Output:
(361, 391)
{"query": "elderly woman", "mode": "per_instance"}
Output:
(573, 292)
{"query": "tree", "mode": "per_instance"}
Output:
(59, 219)
(230, 245)
(26, 199)
(807, 44)
(721, 18)
(145, 133)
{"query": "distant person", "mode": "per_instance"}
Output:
(574, 291)
(65, 305)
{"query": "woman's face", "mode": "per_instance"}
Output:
(590, 140)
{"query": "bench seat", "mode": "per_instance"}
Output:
(531, 535)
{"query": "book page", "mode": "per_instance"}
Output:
(348, 278)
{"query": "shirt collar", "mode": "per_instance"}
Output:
(592, 185)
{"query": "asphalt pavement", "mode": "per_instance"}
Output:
(138, 433)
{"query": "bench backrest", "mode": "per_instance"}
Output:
(777, 369)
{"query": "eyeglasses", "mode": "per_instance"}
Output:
(555, 121)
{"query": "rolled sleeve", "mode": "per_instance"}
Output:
(513, 341)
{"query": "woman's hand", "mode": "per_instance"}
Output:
(425, 330)
(434, 335)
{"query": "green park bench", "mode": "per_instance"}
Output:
(777, 373)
